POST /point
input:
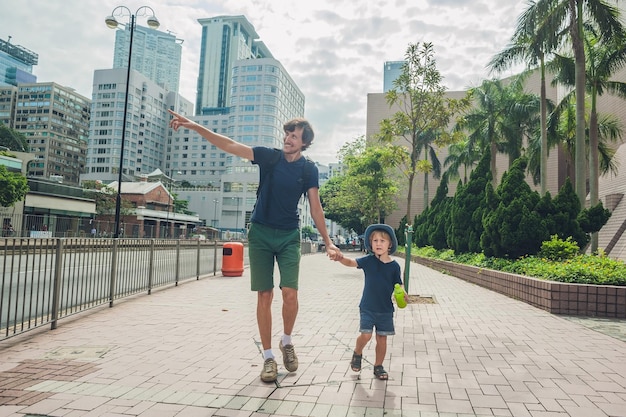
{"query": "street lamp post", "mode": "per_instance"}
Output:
(111, 22)
(215, 201)
(169, 203)
(237, 218)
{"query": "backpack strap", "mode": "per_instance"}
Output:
(267, 176)
(306, 174)
(268, 173)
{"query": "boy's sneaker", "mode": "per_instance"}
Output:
(290, 360)
(270, 370)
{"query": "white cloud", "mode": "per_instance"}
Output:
(333, 49)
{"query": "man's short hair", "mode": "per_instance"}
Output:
(307, 130)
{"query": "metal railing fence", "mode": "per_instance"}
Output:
(44, 280)
(57, 226)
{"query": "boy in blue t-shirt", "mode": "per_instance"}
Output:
(376, 308)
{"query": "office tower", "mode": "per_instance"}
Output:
(225, 39)
(55, 121)
(245, 94)
(146, 125)
(391, 72)
(156, 55)
(16, 64)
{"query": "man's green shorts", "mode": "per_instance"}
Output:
(266, 244)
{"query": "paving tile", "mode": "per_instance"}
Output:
(474, 352)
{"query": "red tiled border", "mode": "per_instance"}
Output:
(555, 297)
(14, 382)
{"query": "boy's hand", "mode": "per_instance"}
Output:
(334, 255)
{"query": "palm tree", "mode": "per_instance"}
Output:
(529, 44)
(521, 119)
(426, 147)
(562, 133)
(461, 155)
(500, 120)
(566, 18)
(604, 58)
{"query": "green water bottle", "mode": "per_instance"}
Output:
(398, 292)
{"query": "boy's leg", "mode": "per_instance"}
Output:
(361, 342)
(381, 349)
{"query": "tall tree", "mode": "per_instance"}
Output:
(424, 114)
(500, 119)
(462, 155)
(603, 59)
(566, 18)
(365, 193)
(530, 44)
(562, 132)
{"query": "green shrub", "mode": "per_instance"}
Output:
(580, 269)
(557, 249)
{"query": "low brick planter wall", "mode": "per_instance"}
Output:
(552, 296)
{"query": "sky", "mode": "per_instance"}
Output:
(333, 49)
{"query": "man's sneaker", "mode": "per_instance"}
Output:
(290, 360)
(270, 370)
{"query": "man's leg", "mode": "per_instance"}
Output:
(261, 257)
(264, 317)
(289, 266)
(290, 309)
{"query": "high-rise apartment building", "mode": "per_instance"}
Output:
(225, 39)
(55, 121)
(245, 94)
(153, 88)
(146, 125)
(16, 64)
(156, 54)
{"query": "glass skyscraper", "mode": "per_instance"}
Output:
(156, 55)
(16, 64)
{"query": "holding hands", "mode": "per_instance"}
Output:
(334, 253)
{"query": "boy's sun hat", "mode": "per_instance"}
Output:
(386, 228)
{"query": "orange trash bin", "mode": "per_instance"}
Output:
(232, 259)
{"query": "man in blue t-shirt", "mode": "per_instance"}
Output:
(274, 234)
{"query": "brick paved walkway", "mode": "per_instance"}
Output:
(193, 350)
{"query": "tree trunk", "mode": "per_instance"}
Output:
(543, 167)
(580, 159)
(594, 164)
(408, 198)
(492, 163)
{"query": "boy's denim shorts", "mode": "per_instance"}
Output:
(266, 246)
(382, 321)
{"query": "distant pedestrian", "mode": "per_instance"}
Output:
(376, 308)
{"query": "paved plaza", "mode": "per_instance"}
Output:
(194, 351)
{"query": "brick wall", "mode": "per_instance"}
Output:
(555, 297)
